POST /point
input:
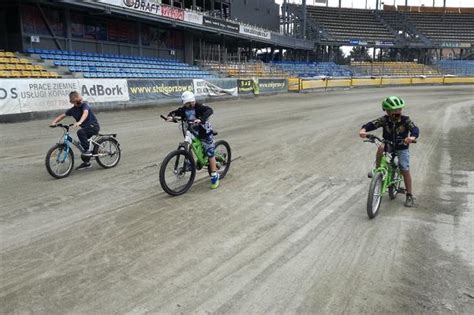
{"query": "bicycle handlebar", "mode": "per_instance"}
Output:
(175, 119)
(62, 126)
(371, 138)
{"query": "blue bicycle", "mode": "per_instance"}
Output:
(60, 158)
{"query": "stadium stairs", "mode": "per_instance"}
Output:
(400, 24)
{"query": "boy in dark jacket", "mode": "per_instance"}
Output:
(198, 115)
(400, 130)
(86, 121)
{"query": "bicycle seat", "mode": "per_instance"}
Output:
(107, 135)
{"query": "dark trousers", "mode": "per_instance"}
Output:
(84, 134)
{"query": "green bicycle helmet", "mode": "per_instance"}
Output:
(392, 103)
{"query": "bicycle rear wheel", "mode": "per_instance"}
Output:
(59, 163)
(375, 195)
(177, 172)
(223, 158)
(108, 152)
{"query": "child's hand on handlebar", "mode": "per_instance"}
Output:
(408, 140)
(363, 133)
(169, 119)
(196, 121)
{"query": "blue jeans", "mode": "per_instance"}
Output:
(209, 145)
(404, 159)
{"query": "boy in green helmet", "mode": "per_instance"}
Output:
(400, 130)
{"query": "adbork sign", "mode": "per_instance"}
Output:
(34, 95)
(98, 91)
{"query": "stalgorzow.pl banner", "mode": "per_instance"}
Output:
(273, 85)
(148, 90)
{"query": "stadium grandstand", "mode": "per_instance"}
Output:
(456, 67)
(406, 69)
(408, 33)
(313, 69)
(245, 69)
(208, 39)
(141, 39)
(342, 25)
(11, 66)
(95, 65)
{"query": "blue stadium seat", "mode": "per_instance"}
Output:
(456, 67)
(304, 69)
(113, 65)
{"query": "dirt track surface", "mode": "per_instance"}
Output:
(287, 231)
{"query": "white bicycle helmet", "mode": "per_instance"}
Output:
(187, 97)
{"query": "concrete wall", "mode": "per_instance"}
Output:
(263, 13)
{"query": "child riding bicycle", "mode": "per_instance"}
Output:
(198, 115)
(400, 130)
(85, 119)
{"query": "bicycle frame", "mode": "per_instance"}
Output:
(68, 141)
(196, 147)
(195, 144)
(387, 168)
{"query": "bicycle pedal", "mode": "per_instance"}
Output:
(401, 190)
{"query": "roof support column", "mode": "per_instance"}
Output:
(304, 19)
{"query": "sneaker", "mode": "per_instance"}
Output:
(83, 166)
(88, 153)
(410, 201)
(188, 167)
(214, 180)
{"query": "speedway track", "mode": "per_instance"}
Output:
(286, 232)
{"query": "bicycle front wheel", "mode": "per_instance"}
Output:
(108, 152)
(395, 188)
(375, 195)
(59, 161)
(177, 172)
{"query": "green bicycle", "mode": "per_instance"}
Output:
(386, 177)
(178, 170)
